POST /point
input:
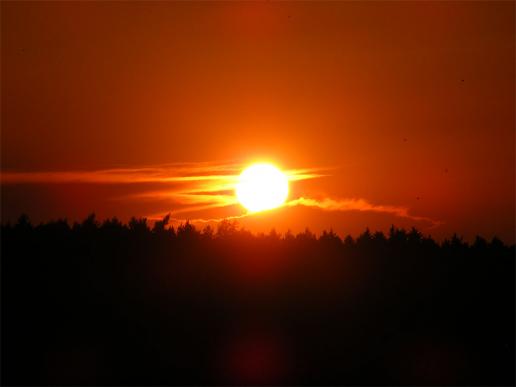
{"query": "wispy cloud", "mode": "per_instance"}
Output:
(354, 204)
(167, 173)
(196, 187)
(187, 187)
(326, 204)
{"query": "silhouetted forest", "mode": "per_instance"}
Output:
(107, 303)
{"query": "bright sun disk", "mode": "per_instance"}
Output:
(262, 187)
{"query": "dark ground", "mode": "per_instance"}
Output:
(110, 304)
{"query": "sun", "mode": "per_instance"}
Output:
(262, 187)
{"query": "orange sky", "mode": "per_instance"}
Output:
(407, 109)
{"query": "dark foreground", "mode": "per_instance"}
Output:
(109, 304)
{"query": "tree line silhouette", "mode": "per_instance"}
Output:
(107, 303)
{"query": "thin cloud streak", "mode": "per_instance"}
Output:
(191, 172)
(326, 204)
(354, 204)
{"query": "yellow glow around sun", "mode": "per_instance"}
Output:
(262, 187)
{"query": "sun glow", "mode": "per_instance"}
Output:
(262, 187)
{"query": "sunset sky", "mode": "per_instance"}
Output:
(380, 113)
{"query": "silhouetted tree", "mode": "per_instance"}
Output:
(159, 225)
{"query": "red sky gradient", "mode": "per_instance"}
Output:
(397, 113)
